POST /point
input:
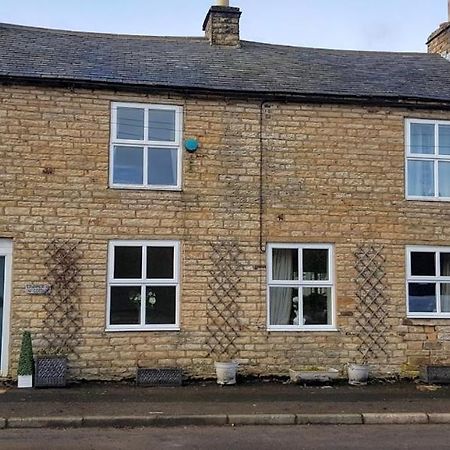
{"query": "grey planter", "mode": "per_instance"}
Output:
(50, 371)
(159, 377)
(436, 374)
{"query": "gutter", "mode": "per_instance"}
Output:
(280, 96)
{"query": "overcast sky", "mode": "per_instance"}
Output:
(394, 25)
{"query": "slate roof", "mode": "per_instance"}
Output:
(192, 63)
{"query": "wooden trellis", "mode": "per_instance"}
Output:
(371, 310)
(63, 320)
(223, 309)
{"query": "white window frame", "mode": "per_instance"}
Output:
(435, 158)
(6, 249)
(299, 284)
(143, 281)
(145, 143)
(437, 280)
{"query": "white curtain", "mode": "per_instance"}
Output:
(444, 179)
(421, 178)
(281, 298)
(2, 292)
(445, 287)
(173, 165)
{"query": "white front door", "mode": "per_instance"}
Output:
(5, 298)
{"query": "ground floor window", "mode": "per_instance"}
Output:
(428, 281)
(300, 290)
(143, 285)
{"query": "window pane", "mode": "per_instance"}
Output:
(445, 297)
(445, 264)
(422, 297)
(130, 123)
(283, 306)
(161, 125)
(128, 165)
(284, 264)
(422, 138)
(162, 166)
(160, 262)
(128, 262)
(160, 305)
(444, 179)
(423, 264)
(421, 178)
(444, 139)
(125, 305)
(315, 264)
(317, 306)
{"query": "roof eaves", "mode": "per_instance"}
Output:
(330, 98)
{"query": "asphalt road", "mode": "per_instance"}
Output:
(361, 437)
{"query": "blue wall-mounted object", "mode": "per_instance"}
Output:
(191, 145)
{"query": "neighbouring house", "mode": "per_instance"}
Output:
(289, 203)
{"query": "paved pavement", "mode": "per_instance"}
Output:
(125, 405)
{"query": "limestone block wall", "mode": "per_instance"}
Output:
(330, 174)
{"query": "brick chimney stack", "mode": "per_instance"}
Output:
(439, 41)
(221, 25)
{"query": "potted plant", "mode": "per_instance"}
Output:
(226, 372)
(358, 374)
(50, 370)
(25, 368)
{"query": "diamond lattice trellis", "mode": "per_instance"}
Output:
(223, 309)
(63, 320)
(371, 310)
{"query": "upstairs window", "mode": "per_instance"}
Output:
(427, 160)
(428, 282)
(300, 287)
(145, 146)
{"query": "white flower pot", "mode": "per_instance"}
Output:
(226, 372)
(25, 381)
(358, 374)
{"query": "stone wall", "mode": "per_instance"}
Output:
(331, 174)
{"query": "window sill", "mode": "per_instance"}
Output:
(145, 188)
(118, 329)
(428, 199)
(316, 329)
(445, 316)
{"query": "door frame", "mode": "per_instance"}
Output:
(6, 246)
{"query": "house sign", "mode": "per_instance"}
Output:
(37, 289)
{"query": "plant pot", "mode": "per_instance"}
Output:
(50, 371)
(159, 377)
(25, 381)
(358, 374)
(226, 372)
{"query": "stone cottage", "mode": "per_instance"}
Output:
(282, 206)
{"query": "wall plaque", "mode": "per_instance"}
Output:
(37, 289)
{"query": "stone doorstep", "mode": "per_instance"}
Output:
(223, 419)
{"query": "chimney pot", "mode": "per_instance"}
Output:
(221, 25)
(227, 3)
